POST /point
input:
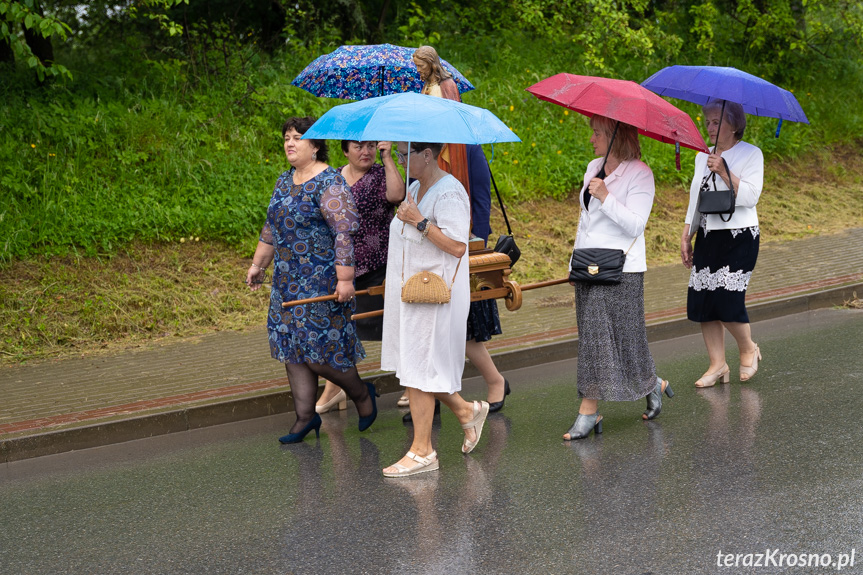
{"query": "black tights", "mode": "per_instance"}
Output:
(303, 378)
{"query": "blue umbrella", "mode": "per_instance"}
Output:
(411, 117)
(361, 72)
(700, 84)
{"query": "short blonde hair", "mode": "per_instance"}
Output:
(429, 55)
(734, 115)
(626, 145)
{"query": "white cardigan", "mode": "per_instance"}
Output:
(621, 218)
(747, 163)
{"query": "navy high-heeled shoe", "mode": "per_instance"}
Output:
(498, 405)
(654, 399)
(297, 437)
(366, 422)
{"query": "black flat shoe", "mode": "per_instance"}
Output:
(498, 405)
(654, 399)
(407, 416)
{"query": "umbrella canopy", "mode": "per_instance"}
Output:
(361, 72)
(624, 101)
(411, 117)
(700, 84)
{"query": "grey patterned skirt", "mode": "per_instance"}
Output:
(614, 362)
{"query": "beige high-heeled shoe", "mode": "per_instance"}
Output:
(339, 400)
(710, 379)
(747, 371)
(404, 401)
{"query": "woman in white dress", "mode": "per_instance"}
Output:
(424, 342)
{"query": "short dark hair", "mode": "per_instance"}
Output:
(301, 125)
(434, 147)
(347, 143)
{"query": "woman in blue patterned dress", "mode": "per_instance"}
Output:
(307, 236)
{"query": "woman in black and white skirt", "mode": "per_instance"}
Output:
(725, 251)
(614, 362)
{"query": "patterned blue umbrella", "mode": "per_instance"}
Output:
(361, 72)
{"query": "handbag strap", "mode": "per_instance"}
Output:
(630, 245)
(403, 264)
(730, 184)
(500, 201)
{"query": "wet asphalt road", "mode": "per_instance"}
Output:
(770, 467)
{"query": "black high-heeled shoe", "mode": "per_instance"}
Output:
(654, 399)
(366, 422)
(297, 437)
(498, 405)
(406, 418)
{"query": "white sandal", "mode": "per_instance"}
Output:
(429, 463)
(404, 401)
(476, 423)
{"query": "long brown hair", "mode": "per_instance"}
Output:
(429, 55)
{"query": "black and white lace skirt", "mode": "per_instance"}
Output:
(722, 266)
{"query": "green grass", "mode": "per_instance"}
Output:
(147, 292)
(108, 160)
(103, 178)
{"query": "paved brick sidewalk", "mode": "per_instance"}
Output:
(71, 393)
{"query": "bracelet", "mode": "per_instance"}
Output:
(257, 266)
(427, 230)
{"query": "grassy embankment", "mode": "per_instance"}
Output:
(134, 201)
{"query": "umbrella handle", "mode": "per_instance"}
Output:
(601, 173)
(716, 143)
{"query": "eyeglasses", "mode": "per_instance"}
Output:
(402, 158)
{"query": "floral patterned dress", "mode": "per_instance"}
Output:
(310, 226)
(376, 213)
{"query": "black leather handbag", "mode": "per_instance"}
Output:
(715, 201)
(505, 243)
(598, 265)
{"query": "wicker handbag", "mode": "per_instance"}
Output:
(426, 286)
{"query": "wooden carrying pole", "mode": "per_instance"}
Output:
(495, 293)
(374, 290)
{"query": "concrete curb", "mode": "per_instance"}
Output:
(194, 417)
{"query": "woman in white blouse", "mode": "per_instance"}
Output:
(424, 342)
(614, 362)
(725, 251)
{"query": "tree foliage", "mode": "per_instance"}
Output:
(165, 123)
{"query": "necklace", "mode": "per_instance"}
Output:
(437, 176)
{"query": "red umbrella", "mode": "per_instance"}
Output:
(624, 101)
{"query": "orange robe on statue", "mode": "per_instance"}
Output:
(453, 158)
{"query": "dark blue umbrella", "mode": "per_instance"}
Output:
(700, 84)
(361, 72)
